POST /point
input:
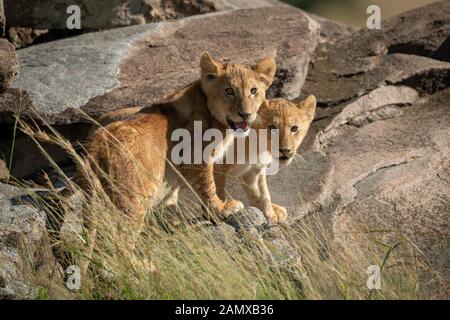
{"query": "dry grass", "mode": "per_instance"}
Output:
(205, 262)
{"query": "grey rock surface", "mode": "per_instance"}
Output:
(9, 64)
(249, 219)
(379, 165)
(102, 71)
(332, 31)
(279, 251)
(65, 74)
(412, 49)
(22, 250)
(100, 14)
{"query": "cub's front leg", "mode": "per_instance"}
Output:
(255, 187)
(201, 179)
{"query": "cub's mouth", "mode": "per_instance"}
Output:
(284, 160)
(243, 125)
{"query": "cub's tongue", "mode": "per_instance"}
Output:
(242, 125)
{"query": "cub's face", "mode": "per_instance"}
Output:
(290, 122)
(235, 91)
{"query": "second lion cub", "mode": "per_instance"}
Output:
(292, 120)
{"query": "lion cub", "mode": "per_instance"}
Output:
(292, 121)
(132, 156)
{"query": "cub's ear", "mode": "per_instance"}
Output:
(266, 68)
(209, 66)
(308, 106)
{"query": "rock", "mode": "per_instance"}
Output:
(389, 173)
(98, 14)
(421, 32)
(377, 155)
(27, 158)
(4, 172)
(100, 72)
(410, 47)
(22, 37)
(2, 20)
(360, 109)
(271, 238)
(223, 233)
(25, 25)
(332, 31)
(249, 219)
(281, 249)
(365, 74)
(9, 64)
(222, 5)
(24, 252)
(403, 183)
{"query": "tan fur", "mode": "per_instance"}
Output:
(282, 115)
(129, 155)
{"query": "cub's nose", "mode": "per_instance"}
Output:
(285, 151)
(244, 115)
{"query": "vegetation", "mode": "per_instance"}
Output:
(177, 258)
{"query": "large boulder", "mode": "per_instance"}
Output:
(378, 152)
(9, 64)
(101, 14)
(332, 31)
(412, 48)
(26, 23)
(103, 71)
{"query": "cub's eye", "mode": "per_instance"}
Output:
(272, 127)
(253, 91)
(294, 129)
(229, 91)
(211, 77)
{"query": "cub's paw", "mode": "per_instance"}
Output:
(280, 212)
(271, 217)
(231, 207)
